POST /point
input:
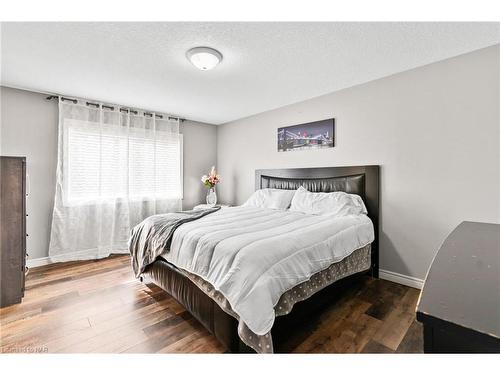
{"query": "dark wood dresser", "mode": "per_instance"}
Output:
(12, 229)
(460, 303)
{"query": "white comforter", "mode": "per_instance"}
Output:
(253, 255)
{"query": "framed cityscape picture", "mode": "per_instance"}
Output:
(307, 136)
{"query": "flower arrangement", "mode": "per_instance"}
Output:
(212, 179)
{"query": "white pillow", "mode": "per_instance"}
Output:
(337, 203)
(277, 199)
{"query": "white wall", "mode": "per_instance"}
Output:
(29, 128)
(434, 131)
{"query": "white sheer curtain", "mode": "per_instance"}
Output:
(115, 168)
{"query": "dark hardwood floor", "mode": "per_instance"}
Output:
(99, 307)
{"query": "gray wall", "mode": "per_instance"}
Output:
(29, 128)
(200, 154)
(434, 131)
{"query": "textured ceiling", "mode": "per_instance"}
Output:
(265, 65)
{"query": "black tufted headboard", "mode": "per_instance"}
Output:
(360, 180)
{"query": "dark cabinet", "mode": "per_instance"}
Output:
(12, 229)
(460, 302)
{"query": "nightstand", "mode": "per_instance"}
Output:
(205, 206)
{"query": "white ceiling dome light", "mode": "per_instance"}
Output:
(204, 58)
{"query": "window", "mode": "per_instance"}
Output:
(111, 162)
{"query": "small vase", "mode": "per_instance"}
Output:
(211, 197)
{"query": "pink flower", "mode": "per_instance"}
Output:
(212, 179)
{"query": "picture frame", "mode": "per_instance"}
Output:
(307, 136)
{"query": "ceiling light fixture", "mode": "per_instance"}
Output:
(204, 58)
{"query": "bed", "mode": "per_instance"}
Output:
(235, 324)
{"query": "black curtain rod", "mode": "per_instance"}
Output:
(122, 109)
(128, 111)
(62, 98)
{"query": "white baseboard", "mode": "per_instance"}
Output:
(32, 263)
(401, 279)
(80, 255)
